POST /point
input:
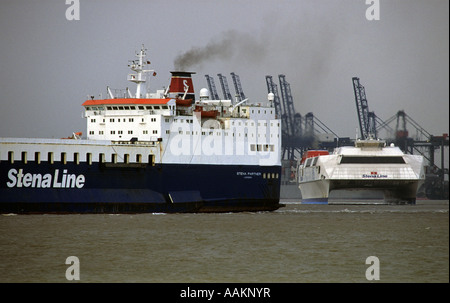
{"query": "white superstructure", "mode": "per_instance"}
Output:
(162, 127)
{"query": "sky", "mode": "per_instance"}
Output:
(49, 65)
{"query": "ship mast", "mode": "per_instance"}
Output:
(138, 67)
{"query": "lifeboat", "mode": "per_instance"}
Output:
(75, 136)
(183, 102)
(314, 153)
(206, 113)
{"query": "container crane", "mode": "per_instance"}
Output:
(225, 89)
(237, 86)
(366, 119)
(212, 87)
(273, 88)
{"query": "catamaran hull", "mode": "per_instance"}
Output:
(359, 191)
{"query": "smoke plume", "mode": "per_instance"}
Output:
(230, 43)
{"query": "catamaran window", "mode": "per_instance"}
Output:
(63, 158)
(372, 160)
(89, 158)
(140, 107)
(126, 158)
(114, 158)
(308, 162)
(37, 157)
(314, 161)
(76, 158)
(138, 158)
(121, 107)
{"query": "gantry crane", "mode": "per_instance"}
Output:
(212, 87)
(237, 86)
(366, 119)
(225, 89)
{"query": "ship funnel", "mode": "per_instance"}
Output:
(181, 85)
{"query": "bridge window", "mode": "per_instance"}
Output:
(372, 160)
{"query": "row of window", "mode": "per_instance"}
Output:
(76, 158)
(270, 175)
(211, 133)
(127, 107)
(262, 147)
(120, 132)
(93, 120)
(259, 111)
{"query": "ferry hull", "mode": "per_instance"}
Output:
(110, 188)
(359, 191)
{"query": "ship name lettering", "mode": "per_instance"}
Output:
(64, 180)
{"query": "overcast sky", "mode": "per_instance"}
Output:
(48, 64)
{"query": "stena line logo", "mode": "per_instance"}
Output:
(57, 180)
(374, 174)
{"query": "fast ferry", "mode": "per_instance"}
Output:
(369, 172)
(150, 152)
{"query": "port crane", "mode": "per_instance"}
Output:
(212, 87)
(238, 87)
(366, 119)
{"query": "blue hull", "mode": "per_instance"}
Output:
(136, 188)
(315, 201)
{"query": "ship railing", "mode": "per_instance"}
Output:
(117, 93)
(135, 142)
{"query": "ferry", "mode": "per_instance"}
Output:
(161, 151)
(368, 173)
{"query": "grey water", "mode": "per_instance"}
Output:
(297, 243)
